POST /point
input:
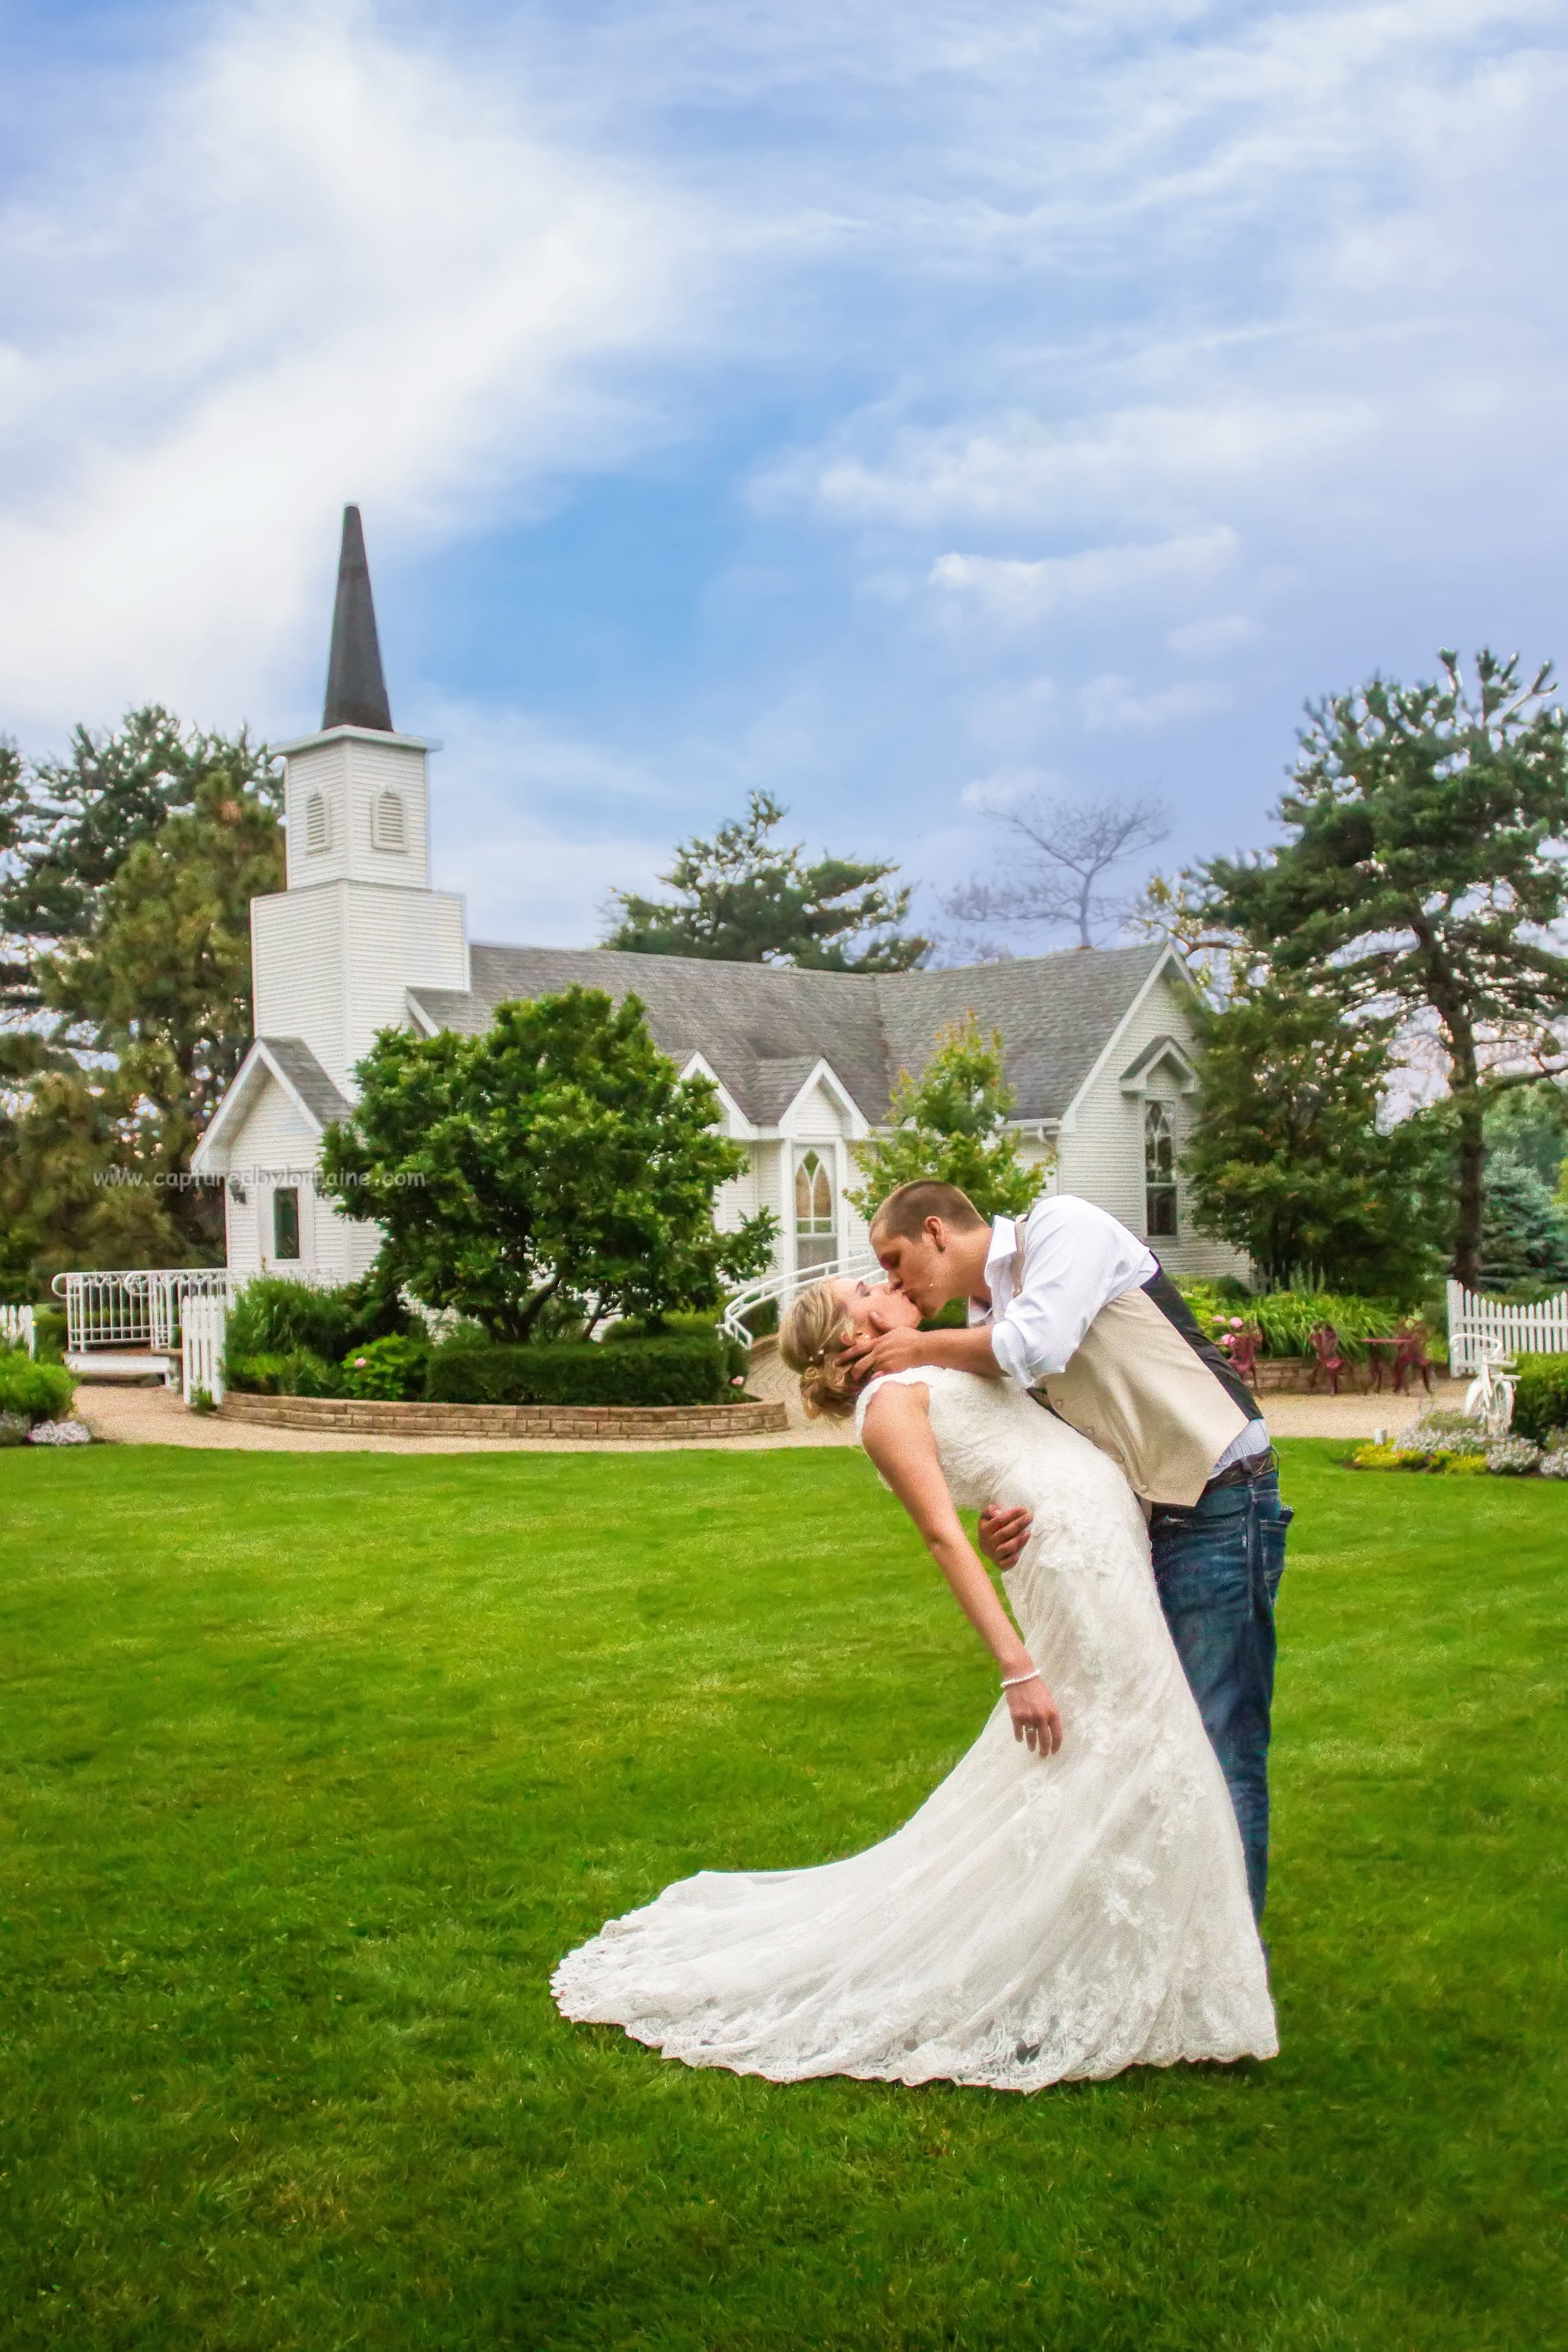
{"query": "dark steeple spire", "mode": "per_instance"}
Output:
(356, 691)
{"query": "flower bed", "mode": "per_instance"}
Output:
(1453, 1447)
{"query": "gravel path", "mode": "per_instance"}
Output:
(154, 1416)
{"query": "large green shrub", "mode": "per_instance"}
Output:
(684, 1369)
(1541, 1399)
(391, 1370)
(291, 1371)
(38, 1392)
(276, 1317)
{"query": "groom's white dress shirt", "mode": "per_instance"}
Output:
(1052, 1277)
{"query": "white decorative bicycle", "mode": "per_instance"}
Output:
(1490, 1397)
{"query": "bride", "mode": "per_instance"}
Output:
(1073, 1899)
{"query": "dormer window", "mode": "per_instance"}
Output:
(318, 824)
(388, 830)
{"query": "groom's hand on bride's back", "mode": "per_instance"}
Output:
(1004, 1533)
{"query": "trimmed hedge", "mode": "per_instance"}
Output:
(34, 1393)
(1541, 1398)
(686, 1369)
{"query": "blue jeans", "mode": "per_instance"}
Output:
(1217, 1566)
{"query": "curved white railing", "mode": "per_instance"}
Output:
(780, 1288)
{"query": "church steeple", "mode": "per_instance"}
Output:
(356, 691)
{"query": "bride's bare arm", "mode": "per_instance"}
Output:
(897, 1435)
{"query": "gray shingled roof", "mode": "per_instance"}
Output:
(762, 1027)
(308, 1078)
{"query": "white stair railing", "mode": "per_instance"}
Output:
(134, 1308)
(18, 1328)
(1537, 1330)
(860, 1265)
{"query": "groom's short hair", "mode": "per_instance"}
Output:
(904, 1211)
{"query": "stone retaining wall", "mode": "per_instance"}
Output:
(352, 1416)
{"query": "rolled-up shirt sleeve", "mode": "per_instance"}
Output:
(1075, 1259)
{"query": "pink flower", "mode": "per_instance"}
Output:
(1236, 1322)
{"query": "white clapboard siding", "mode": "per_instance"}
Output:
(1536, 1330)
(299, 943)
(1101, 1154)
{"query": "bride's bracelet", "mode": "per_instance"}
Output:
(1011, 1682)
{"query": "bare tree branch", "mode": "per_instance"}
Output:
(1060, 852)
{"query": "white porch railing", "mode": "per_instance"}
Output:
(1539, 1330)
(204, 1322)
(18, 1330)
(139, 1308)
(782, 1288)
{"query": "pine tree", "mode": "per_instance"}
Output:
(1524, 1233)
(744, 899)
(1287, 1160)
(1422, 875)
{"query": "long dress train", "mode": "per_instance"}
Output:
(1038, 1919)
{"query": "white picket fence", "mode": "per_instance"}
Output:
(1538, 1330)
(202, 1324)
(18, 1328)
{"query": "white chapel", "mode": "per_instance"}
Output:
(1099, 1042)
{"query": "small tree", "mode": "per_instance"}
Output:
(1287, 1160)
(558, 1157)
(744, 899)
(950, 1123)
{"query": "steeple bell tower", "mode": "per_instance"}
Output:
(357, 924)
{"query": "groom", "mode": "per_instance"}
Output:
(1075, 1308)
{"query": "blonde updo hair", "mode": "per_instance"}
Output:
(811, 1342)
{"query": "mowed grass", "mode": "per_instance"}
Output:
(314, 1765)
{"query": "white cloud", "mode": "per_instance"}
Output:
(1205, 639)
(1109, 703)
(1004, 787)
(328, 268)
(1016, 592)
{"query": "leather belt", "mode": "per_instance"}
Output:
(1243, 1473)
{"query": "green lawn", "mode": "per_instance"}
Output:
(313, 1765)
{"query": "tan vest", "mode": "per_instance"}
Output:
(1138, 1390)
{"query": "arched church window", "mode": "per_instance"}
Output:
(317, 823)
(387, 829)
(816, 1226)
(1159, 1171)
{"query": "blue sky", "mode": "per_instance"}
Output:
(892, 405)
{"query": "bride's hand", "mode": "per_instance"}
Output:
(1035, 1718)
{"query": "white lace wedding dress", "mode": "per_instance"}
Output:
(1039, 1918)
